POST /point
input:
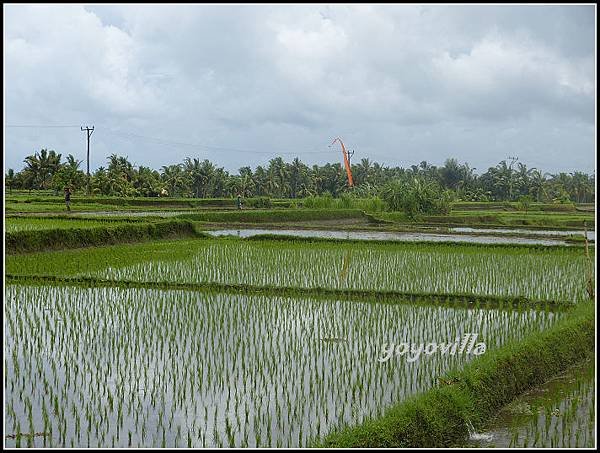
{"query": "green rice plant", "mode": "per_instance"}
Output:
(535, 273)
(13, 224)
(119, 366)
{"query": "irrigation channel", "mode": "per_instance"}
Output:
(388, 236)
(591, 235)
(558, 414)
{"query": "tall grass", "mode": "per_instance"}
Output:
(345, 201)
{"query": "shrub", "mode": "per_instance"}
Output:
(416, 196)
(258, 202)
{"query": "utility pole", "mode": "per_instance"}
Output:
(89, 131)
(512, 161)
(349, 154)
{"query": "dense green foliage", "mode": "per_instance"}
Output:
(202, 179)
(416, 196)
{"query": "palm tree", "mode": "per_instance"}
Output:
(175, 179)
(200, 174)
(298, 177)
(260, 181)
(42, 166)
(580, 186)
(277, 178)
(361, 172)
(523, 177)
(192, 168)
(68, 175)
(537, 185)
(9, 179)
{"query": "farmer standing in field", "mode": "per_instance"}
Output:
(68, 198)
(239, 201)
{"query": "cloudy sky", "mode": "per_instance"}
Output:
(240, 85)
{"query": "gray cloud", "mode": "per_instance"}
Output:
(399, 83)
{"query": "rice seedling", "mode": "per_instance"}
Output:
(13, 224)
(546, 274)
(146, 367)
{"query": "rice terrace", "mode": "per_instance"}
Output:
(202, 293)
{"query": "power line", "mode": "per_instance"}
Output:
(39, 125)
(160, 141)
(130, 136)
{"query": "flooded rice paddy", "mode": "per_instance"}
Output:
(550, 275)
(389, 236)
(161, 368)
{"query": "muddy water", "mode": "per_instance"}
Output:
(387, 236)
(559, 414)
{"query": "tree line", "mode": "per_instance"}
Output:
(193, 177)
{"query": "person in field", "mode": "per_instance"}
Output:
(68, 198)
(239, 201)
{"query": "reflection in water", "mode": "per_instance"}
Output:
(560, 413)
(591, 235)
(345, 266)
(387, 236)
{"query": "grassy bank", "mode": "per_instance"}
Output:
(14, 224)
(474, 218)
(131, 201)
(82, 203)
(440, 417)
(282, 215)
(454, 301)
(27, 241)
(512, 206)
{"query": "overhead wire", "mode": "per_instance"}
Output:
(131, 136)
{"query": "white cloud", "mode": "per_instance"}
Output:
(502, 77)
(400, 81)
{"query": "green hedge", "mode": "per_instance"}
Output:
(281, 215)
(54, 239)
(440, 416)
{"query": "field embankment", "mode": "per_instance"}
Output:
(279, 216)
(440, 417)
(27, 241)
